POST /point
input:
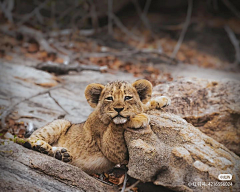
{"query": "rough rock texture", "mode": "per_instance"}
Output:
(175, 154)
(27, 170)
(68, 101)
(211, 106)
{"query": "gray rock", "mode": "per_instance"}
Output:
(178, 156)
(19, 82)
(210, 105)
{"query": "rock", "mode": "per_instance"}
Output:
(20, 81)
(211, 106)
(26, 170)
(68, 101)
(178, 156)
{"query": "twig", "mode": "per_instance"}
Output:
(235, 43)
(142, 15)
(146, 7)
(60, 33)
(180, 40)
(94, 15)
(84, 18)
(232, 8)
(7, 7)
(65, 32)
(86, 32)
(10, 108)
(110, 24)
(34, 12)
(66, 11)
(124, 182)
(133, 185)
(64, 69)
(123, 28)
(29, 32)
(135, 53)
(61, 48)
(38, 36)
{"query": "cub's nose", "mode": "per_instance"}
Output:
(118, 109)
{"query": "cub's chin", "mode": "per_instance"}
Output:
(119, 120)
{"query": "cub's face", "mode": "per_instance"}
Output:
(119, 100)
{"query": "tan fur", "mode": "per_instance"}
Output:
(98, 144)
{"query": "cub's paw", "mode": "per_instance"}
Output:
(158, 103)
(61, 154)
(139, 121)
(39, 145)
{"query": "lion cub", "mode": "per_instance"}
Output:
(98, 144)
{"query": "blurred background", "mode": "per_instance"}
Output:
(109, 32)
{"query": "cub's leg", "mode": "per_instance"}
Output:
(41, 140)
(157, 103)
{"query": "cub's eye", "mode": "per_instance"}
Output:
(109, 98)
(127, 98)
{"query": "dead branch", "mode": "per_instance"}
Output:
(94, 16)
(110, 24)
(232, 8)
(7, 7)
(65, 69)
(10, 108)
(188, 19)
(123, 28)
(235, 43)
(63, 32)
(146, 7)
(36, 35)
(128, 55)
(142, 15)
(36, 12)
(61, 49)
(86, 32)
(67, 11)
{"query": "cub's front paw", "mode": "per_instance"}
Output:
(61, 154)
(139, 121)
(39, 145)
(158, 103)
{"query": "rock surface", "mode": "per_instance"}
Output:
(66, 101)
(177, 155)
(27, 170)
(212, 106)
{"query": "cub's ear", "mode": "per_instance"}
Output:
(144, 89)
(92, 93)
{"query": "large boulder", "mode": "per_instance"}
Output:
(211, 106)
(175, 154)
